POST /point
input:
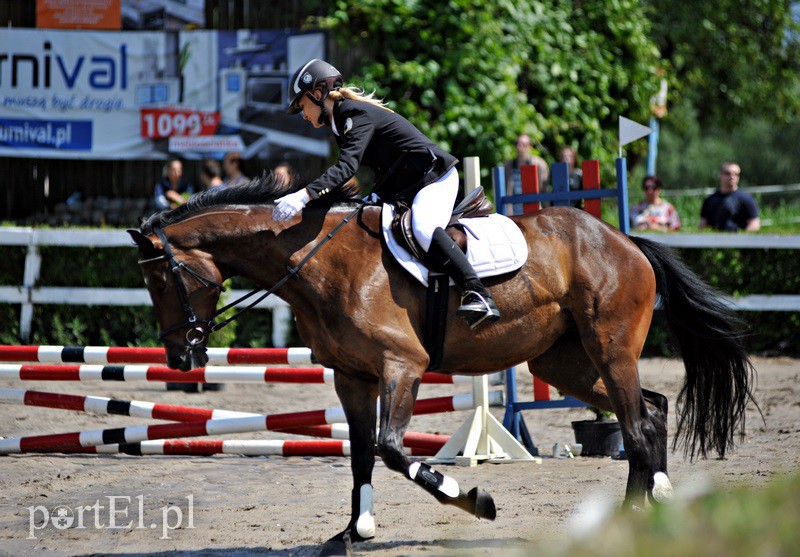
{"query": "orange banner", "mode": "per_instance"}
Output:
(78, 14)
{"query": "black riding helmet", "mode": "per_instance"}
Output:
(315, 74)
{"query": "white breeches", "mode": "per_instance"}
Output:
(432, 207)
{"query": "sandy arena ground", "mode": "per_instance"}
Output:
(288, 506)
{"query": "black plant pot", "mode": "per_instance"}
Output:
(598, 438)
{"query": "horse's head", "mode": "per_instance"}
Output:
(184, 287)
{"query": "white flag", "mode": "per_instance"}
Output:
(631, 131)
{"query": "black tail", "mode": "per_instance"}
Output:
(719, 374)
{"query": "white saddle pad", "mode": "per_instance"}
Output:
(499, 247)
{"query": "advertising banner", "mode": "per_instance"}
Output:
(86, 14)
(139, 95)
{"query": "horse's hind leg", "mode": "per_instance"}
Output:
(358, 398)
(660, 488)
(613, 334)
(398, 391)
(568, 367)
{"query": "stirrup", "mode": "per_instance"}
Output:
(477, 309)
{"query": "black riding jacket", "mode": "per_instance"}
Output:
(403, 159)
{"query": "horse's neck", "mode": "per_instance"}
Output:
(251, 249)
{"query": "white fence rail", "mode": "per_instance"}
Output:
(28, 295)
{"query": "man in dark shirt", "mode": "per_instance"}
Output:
(729, 209)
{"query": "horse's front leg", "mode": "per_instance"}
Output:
(358, 398)
(398, 392)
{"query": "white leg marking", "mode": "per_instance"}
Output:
(365, 525)
(662, 488)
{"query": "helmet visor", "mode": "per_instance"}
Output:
(294, 106)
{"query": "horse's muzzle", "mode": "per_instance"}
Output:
(189, 357)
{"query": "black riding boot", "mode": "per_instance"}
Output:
(477, 306)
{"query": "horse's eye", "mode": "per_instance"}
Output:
(156, 285)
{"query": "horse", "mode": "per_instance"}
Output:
(578, 312)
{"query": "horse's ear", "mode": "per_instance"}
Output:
(146, 248)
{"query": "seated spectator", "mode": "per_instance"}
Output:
(232, 165)
(729, 209)
(654, 213)
(172, 191)
(570, 156)
(211, 174)
(524, 157)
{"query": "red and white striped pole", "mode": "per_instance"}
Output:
(207, 447)
(142, 409)
(275, 422)
(151, 355)
(208, 374)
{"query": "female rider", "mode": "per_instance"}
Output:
(408, 167)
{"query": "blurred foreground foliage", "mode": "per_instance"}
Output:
(746, 521)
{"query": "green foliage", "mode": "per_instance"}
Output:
(742, 521)
(9, 333)
(97, 325)
(689, 155)
(729, 58)
(100, 267)
(739, 273)
(590, 63)
(473, 74)
(13, 268)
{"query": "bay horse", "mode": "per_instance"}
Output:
(577, 312)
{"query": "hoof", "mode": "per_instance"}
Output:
(662, 488)
(340, 544)
(482, 504)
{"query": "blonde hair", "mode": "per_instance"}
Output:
(357, 94)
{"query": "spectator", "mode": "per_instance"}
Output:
(570, 156)
(654, 213)
(211, 174)
(232, 165)
(284, 173)
(729, 209)
(524, 157)
(172, 191)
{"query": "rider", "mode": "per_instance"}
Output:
(408, 167)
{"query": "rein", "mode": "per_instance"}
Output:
(201, 329)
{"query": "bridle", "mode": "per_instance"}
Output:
(200, 329)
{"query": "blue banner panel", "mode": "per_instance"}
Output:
(74, 135)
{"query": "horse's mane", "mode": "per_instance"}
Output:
(259, 191)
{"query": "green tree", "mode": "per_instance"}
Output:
(472, 74)
(731, 59)
(590, 63)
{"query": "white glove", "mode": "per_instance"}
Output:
(289, 205)
(372, 199)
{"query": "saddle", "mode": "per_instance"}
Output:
(475, 204)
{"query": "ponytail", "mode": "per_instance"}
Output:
(357, 94)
